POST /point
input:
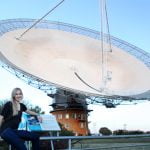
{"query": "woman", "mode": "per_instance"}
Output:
(10, 118)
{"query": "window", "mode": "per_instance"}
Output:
(59, 116)
(83, 116)
(56, 115)
(74, 115)
(79, 116)
(81, 125)
(67, 116)
(66, 125)
(76, 134)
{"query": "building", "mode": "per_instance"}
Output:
(71, 111)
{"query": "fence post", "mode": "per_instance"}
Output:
(52, 145)
(69, 144)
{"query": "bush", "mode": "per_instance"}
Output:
(126, 132)
(63, 144)
(105, 131)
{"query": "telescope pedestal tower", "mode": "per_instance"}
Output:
(71, 111)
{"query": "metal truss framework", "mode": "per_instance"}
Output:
(14, 24)
(29, 79)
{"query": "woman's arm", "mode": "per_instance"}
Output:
(1, 120)
(31, 112)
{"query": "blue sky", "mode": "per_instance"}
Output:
(128, 20)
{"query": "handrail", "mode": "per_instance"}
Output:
(80, 138)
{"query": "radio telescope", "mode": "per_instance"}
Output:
(55, 55)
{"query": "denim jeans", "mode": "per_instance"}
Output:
(16, 138)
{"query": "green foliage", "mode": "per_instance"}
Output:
(105, 131)
(147, 132)
(3, 145)
(119, 132)
(36, 109)
(2, 102)
(65, 132)
(126, 132)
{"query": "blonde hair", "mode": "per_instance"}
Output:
(14, 104)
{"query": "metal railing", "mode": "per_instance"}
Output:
(123, 142)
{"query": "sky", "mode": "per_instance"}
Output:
(128, 20)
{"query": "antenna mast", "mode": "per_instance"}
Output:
(105, 46)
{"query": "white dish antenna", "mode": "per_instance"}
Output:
(69, 57)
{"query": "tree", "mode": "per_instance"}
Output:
(126, 132)
(105, 131)
(63, 144)
(120, 132)
(65, 132)
(147, 132)
(36, 109)
(2, 102)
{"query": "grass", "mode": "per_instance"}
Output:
(118, 144)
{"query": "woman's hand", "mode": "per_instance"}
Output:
(1, 120)
(40, 119)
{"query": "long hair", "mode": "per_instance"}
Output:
(14, 104)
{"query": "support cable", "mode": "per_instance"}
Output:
(39, 20)
(105, 74)
(104, 58)
(108, 31)
(86, 83)
(102, 40)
